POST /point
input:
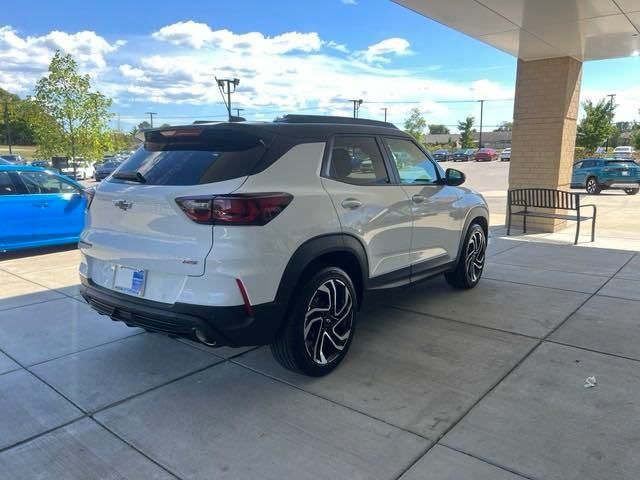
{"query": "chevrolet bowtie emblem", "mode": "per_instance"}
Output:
(123, 204)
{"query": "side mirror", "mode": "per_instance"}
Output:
(454, 177)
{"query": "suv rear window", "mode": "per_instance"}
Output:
(622, 163)
(194, 156)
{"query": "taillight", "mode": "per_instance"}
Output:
(182, 132)
(239, 209)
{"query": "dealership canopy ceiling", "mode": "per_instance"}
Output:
(534, 29)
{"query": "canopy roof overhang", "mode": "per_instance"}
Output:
(536, 29)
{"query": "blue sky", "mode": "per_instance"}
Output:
(291, 56)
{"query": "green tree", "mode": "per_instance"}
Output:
(596, 125)
(21, 132)
(164, 125)
(438, 128)
(144, 124)
(625, 126)
(466, 132)
(415, 125)
(121, 141)
(635, 137)
(69, 118)
(504, 127)
(614, 136)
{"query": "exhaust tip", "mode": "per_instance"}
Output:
(202, 338)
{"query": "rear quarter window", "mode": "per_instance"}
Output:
(194, 156)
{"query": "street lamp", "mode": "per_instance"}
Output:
(228, 86)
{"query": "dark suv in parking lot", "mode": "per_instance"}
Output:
(463, 155)
(106, 169)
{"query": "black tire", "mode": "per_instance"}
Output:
(592, 186)
(467, 275)
(300, 344)
(631, 191)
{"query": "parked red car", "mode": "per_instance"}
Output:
(486, 155)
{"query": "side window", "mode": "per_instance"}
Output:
(42, 183)
(357, 160)
(6, 185)
(588, 164)
(413, 165)
(577, 166)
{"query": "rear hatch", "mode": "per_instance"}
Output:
(623, 170)
(134, 219)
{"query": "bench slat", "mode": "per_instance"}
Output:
(544, 198)
(558, 216)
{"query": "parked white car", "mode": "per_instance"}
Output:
(271, 233)
(505, 155)
(624, 152)
(82, 171)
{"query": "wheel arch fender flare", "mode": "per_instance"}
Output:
(312, 250)
(474, 213)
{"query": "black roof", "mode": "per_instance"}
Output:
(310, 127)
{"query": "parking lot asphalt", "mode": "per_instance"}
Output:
(439, 384)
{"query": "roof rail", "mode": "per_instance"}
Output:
(332, 120)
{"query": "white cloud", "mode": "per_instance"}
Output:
(340, 47)
(199, 35)
(287, 73)
(24, 59)
(379, 52)
(133, 73)
(349, 2)
(189, 33)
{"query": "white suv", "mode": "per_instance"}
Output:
(271, 233)
(624, 152)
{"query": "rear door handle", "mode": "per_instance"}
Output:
(418, 198)
(351, 203)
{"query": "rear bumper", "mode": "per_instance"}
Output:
(621, 184)
(226, 326)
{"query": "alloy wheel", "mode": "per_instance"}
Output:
(591, 185)
(475, 256)
(328, 322)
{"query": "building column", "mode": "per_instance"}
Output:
(544, 128)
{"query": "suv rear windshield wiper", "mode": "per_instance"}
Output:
(131, 176)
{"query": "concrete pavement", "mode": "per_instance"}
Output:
(439, 384)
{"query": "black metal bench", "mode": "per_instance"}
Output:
(545, 198)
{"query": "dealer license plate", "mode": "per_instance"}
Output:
(129, 280)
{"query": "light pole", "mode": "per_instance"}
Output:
(231, 86)
(481, 114)
(611, 97)
(356, 106)
(238, 110)
(151, 114)
(385, 112)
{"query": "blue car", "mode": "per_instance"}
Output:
(39, 208)
(597, 174)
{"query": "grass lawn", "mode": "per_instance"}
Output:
(26, 151)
